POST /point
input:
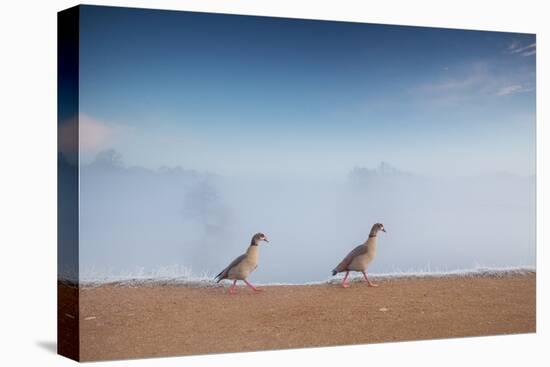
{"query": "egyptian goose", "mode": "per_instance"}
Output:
(360, 257)
(242, 266)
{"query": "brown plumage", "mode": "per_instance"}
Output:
(344, 264)
(225, 272)
(361, 256)
(242, 266)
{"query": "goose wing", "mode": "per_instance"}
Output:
(224, 272)
(359, 250)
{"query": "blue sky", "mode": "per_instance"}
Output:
(271, 96)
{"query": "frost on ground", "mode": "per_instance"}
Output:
(181, 276)
(482, 272)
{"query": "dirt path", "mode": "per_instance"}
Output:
(146, 321)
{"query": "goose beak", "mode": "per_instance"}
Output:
(384, 230)
(266, 240)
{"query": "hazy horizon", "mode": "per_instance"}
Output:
(135, 219)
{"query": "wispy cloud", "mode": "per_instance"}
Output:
(94, 134)
(472, 82)
(475, 76)
(466, 83)
(517, 48)
(513, 45)
(509, 89)
(86, 134)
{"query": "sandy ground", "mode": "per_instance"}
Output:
(146, 321)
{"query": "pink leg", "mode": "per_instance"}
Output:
(233, 289)
(345, 284)
(368, 281)
(251, 286)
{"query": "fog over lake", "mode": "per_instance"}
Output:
(136, 219)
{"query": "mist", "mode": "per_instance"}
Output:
(136, 219)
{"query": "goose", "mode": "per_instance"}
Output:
(360, 257)
(242, 266)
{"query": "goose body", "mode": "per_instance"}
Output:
(360, 257)
(245, 264)
(242, 266)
